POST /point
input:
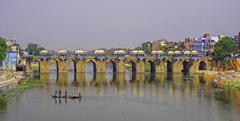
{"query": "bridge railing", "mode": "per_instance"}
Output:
(142, 56)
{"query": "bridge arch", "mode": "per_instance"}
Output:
(72, 69)
(93, 63)
(35, 67)
(54, 68)
(186, 67)
(114, 65)
(151, 65)
(133, 66)
(202, 65)
(71, 65)
(169, 66)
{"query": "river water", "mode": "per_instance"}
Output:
(123, 97)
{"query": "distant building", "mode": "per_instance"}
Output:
(236, 39)
(185, 45)
(197, 45)
(204, 44)
(155, 45)
(171, 46)
(12, 55)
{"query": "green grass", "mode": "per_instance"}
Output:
(20, 88)
(232, 83)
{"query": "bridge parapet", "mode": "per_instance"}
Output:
(138, 64)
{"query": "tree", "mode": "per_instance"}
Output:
(33, 49)
(224, 48)
(162, 48)
(144, 46)
(3, 48)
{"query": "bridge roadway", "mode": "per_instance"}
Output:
(157, 65)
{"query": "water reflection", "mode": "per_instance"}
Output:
(138, 83)
(164, 96)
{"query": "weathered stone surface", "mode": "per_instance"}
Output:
(160, 66)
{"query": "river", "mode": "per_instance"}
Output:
(123, 97)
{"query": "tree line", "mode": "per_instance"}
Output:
(31, 49)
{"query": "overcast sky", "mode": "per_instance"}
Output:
(89, 24)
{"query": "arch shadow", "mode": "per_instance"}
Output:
(202, 65)
(169, 66)
(152, 66)
(94, 65)
(186, 67)
(114, 66)
(72, 68)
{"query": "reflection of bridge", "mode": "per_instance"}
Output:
(160, 62)
(121, 81)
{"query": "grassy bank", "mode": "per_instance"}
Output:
(20, 88)
(231, 83)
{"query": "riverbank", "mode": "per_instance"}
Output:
(23, 85)
(228, 80)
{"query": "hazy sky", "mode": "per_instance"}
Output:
(89, 24)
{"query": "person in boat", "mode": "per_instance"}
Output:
(55, 94)
(65, 96)
(59, 93)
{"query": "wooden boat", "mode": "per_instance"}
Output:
(71, 97)
(54, 96)
(74, 97)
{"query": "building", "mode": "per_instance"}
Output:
(197, 45)
(185, 45)
(236, 39)
(12, 55)
(171, 46)
(156, 45)
(204, 44)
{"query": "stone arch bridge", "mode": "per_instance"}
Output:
(187, 65)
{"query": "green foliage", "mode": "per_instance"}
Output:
(231, 83)
(144, 46)
(162, 48)
(21, 87)
(224, 47)
(170, 48)
(3, 48)
(34, 49)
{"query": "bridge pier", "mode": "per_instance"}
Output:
(100, 66)
(120, 66)
(44, 66)
(194, 67)
(80, 66)
(160, 67)
(140, 66)
(62, 66)
(177, 67)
